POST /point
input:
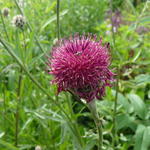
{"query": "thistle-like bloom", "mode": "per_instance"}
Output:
(80, 65)
(19, 21)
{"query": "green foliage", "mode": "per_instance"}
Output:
(48, 120)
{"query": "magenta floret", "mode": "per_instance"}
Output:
(80, 65)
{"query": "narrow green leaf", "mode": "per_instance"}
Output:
(25, 125)
(53, 18)
(137, 56)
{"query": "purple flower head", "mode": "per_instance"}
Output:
(80, 65)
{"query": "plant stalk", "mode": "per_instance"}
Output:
(19, 95)
(58, 21)
(112, 27)
(4, 113)
(98, 123)
(114, 139)
(115, 111)
(18, 108)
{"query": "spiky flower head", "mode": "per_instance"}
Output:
(19, 21)
(5, 12)
(80, 65)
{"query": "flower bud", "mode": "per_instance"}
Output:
(5, 12)
(19, 21)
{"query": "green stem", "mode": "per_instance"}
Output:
(98, 123)
(3, 22)
(114, 140)
(18, 107)
(4, 113)
(24, 45)
(115, 111)
(112, 27)
(58, 24)
(19, 94)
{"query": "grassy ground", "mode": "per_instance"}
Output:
(30, 112)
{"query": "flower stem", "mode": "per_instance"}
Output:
(115, 111)
(19, 95)
(92, 107)
(4, 112)
(58, 25)
(112, 26)
(18, 108)
(114, 139)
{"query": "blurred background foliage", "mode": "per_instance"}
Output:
(125, 24)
